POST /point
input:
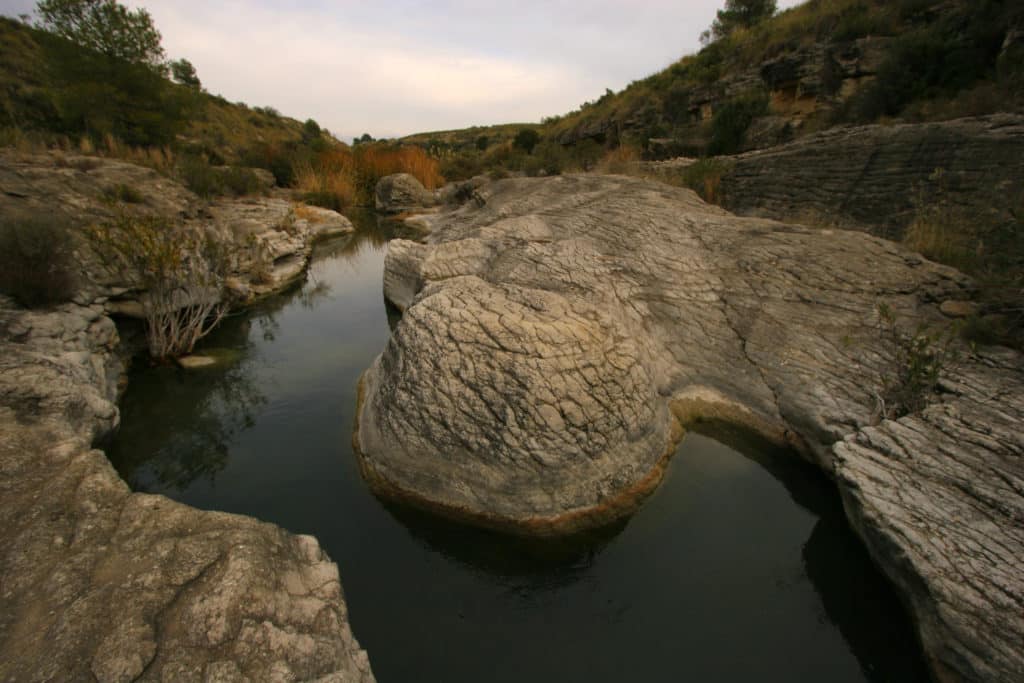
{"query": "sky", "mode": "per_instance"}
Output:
(396, 67)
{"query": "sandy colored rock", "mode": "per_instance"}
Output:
(98, 583)
(557, 331)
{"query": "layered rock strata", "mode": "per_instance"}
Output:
(880, 176)
(558, 332)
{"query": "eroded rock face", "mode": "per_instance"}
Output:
(872, 175)
(102, 584)
(270, 239)
(556, 332)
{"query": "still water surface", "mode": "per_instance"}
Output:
(740, 567)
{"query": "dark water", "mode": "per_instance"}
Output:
(740, 567)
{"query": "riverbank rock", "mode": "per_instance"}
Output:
(402, 192)
(558, 332)
(102, 584)
(273, 240)
(270, 239)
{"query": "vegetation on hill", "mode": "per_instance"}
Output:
(92, 77)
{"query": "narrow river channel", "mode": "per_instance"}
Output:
(740, 568)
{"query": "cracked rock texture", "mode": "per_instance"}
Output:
(557, 332)
(98, 583)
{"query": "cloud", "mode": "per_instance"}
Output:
(394, 67)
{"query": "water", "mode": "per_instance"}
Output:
(739, 568)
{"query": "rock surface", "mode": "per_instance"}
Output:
(402, 192)
(558, 332)
(98, 583)
(872, 175)
(271, 238)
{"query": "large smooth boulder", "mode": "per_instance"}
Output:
(558, 333)
(402, 192)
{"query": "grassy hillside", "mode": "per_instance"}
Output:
(823, 63)
(31, 107)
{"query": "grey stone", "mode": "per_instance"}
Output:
(400, 193)
(558, 335)
(99, 583)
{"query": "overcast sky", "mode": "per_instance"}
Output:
(394, 67)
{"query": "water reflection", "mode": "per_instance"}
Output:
(737, 568)
(184, 429)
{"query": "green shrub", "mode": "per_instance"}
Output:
(239, 181)
(461, 166)
(731, 121)
(526, 139)
(215, 181)
(35, 261)
(916, 362)
(199, 176)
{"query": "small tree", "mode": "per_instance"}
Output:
(738, 14)
(179, 271)
(183, 72)
(106, 27)
(526, 139)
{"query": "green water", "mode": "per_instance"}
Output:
(739, 568)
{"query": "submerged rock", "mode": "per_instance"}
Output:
(558, 333)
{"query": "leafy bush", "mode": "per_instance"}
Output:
(215, 181)
(916, 361)
(731, 121)
(940, 58)
(526, 139)
(239, 181)
(461, 166)
(199, 176)
(35, 261)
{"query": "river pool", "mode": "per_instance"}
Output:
(739, 568)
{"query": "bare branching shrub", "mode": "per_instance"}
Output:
(35, 261)
(179, 270)
(915, 363)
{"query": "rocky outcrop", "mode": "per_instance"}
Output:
(558, 333)
(273, 240)
(270, 239)
(402, 192)
(103, 584)
(98, 583)
(872, 175)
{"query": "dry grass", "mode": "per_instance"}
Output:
(305, 213)
(343, 177)
(621, 160)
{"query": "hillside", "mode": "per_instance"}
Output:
(812, 67)
(31, 108)
(820, 64)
